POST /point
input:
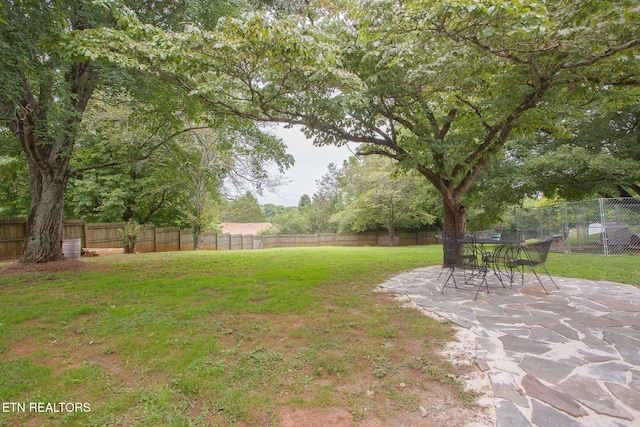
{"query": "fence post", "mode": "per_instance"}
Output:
(603, 221)
(565, 229)
(86, 235)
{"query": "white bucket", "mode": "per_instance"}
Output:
(71, 248)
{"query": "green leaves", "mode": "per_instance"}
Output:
(600, 158)
(376, 197)
(440, 86)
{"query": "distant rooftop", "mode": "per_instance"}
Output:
(244, 227)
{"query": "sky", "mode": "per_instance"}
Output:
(310, 165)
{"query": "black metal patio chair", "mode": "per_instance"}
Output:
(461, 254)
(532, 255)
(497, 259)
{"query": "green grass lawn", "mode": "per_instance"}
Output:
(220, 338)
(232, 338)
(617, 268)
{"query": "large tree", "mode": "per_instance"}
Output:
(47, 85)
(127, 138)
(44, 94)
(233, 151)
(439, 86)
(375, 198)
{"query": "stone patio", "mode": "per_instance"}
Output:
(567, 358)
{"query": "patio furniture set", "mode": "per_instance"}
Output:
(472, 258)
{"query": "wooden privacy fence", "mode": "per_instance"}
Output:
(348, 239)
(153, 239)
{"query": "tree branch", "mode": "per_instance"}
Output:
(475, 109)
(156, 207)
(117, 162)
(378, 153)
(604, 54)
(442, 133)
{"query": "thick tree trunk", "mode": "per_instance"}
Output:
(43, 241)
(455, 216)
(455, 220)
(49, 173)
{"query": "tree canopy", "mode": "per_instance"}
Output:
(48, 82)
(439, 86)
(375, 198)
(600, 159)
(243, 209)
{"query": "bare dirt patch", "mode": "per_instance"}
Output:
(44, 268)
(461, 353)
(24, 348)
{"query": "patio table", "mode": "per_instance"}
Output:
(495, 259)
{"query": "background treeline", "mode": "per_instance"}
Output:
(195, 178)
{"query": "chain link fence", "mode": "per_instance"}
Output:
(598, 226)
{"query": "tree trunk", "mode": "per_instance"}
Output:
(455, 220)
(43, 241)
(47, 140)
(392, 235)
(49, 174)
(455, 216)
(130, 244)
(198, 244)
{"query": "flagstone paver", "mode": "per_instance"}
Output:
(567, 358)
